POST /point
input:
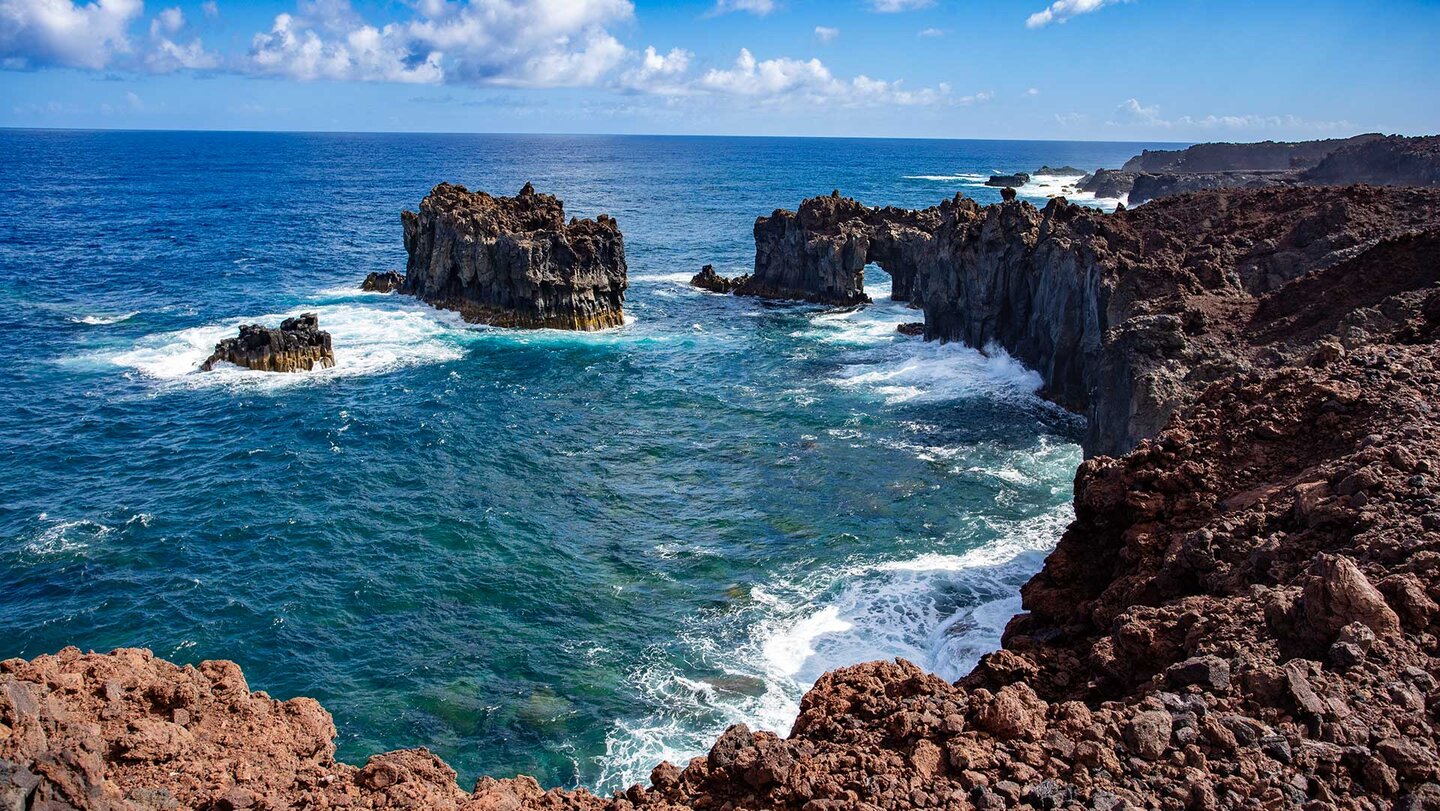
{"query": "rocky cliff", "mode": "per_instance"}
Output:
(1392, 161)
(1373, 159)
(819, 252)
(299, 345)
(515, 261)
(1243, 614)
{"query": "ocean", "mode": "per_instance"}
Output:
(567, 555)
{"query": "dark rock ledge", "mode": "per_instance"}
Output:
(299, 345)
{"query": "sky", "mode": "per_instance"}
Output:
(1132, 70)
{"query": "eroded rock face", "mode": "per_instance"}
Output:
(299, 345)
(1391, 161)
(819, 252)
(1128, 316)
(515, 261)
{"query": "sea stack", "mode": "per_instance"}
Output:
(708, 279)
(514, 261)
(299, 345)
(387, 281)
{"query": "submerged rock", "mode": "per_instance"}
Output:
(299, 345)
(515, 261)
(382, 282)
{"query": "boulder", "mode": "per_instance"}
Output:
(299, 345)
(382, 282)
(708, 279)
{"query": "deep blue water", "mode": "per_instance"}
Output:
(562, 554)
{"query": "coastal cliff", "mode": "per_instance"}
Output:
(514, 261)
(1243, 614)
(819, 252)
(1372, 159)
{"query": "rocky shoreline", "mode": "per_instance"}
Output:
(1371, 159)
(1244, 613)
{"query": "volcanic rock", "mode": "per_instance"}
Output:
(514, 261)
(1017, 179)
(1391, 161)
(708, 279)
(1061, 171)
(383, 282)
(299, 345)
(911, 328)
(819, 252)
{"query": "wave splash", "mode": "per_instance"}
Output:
(940, 611)
(368, 339)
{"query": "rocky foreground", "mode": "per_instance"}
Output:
(512, 261)
(299, 345)
(1245, 612)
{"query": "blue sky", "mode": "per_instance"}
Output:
(1173, 70)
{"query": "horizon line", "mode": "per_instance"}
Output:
(8, 128)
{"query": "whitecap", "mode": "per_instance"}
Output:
(940, 611)
(932, 371)
(1048, 186)
(367, 339)
(66, 537)
(98, 320)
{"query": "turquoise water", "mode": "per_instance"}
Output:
(563, 554)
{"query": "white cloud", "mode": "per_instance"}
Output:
(43, 33)
(892, 6)
(534, 43)
(930, 33)
(826, 34)
(1033, 91)
(809, 80)
(757, 7)
(1134, 114)
(1062, 10)
(211, 8)
(166, 55)
(662, 74)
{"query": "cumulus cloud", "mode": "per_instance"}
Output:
(826, 34)
(61, 33)
(931, 33)
(489, 42)
(1062, 10)
(1133, 113)
(809, 80)
(164, 54)
(663, 74)
(892, 6)
(757, 7)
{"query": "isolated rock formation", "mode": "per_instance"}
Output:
(515, 261)
(382, 282)
(299, 345)
(708, 279)
(1060, 171)
(1017, 179)
(1111, 184)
